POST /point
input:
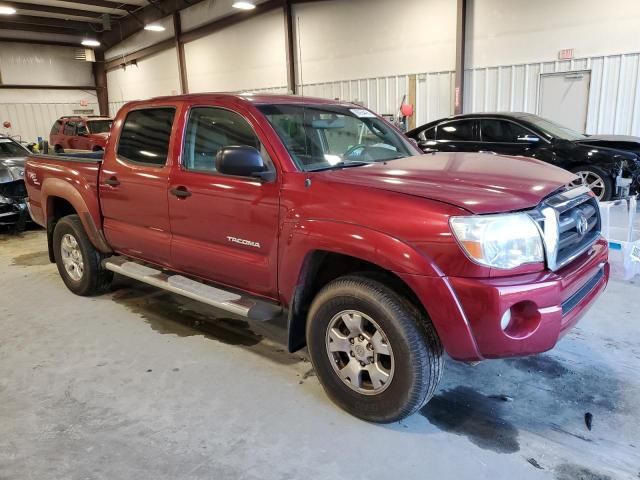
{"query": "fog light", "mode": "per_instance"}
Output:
(505, 320)
(521, 320)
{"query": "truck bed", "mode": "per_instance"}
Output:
(70, 176)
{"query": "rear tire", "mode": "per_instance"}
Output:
(78, 261)
(58, 150)
(599, 181)
(386, 368)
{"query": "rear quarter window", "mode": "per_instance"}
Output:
(56, 127)
(145, 136)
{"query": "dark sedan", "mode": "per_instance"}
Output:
(609, 165)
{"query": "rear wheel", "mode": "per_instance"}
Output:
(375, 354)
(58, 150)
(79, 263)
(598, 181)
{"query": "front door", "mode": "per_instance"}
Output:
(224, 228)
(508, 138)
(133, 186)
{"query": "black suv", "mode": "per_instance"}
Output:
(609, 165)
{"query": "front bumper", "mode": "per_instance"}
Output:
(14, 213)
(467, 312)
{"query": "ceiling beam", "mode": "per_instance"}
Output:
(39, 42)
(107, 4)
(33, 7)
(46, 87)
(34, 28)
(129, 25)
(117, 62)
(50, 22)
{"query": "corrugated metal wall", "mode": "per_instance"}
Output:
(32, 120)
(614, 95)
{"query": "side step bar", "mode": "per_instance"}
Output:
(246, 306)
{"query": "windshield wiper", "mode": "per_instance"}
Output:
(341, 164)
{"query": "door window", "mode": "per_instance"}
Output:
(211, 129)
(461, 131)
(145, 136)
(70, 129)
(81, 130)
(501, 131)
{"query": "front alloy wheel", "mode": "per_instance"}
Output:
(360, 352)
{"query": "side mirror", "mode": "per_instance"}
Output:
(528, 138)
(242, 161)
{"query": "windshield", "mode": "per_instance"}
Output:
(10, 148)
(554, 130)
(320, 137)
(99, 126)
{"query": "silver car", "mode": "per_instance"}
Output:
(13, 194)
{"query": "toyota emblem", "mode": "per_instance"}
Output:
(582, 225)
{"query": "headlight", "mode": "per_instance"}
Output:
(5, 200)
(500, 241)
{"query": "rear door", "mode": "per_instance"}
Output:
(68, 133)
(507, 137)
(133, 185)
(224, 228)
(457, 136)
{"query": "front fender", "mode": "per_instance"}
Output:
(301, 239)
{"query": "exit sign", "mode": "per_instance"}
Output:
(566, 54)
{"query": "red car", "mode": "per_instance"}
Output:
(378, 256)
(80, 134)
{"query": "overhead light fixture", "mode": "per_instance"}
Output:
(90, 42)
(154, 27)
(6, 10)
(244, 5)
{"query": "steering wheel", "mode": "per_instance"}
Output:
(351, 150)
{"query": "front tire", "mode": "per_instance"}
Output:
(598, 181)
(78, 261)
(375, 354)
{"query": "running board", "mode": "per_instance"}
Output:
(245, 306)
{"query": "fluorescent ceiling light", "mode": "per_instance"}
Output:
(244, 5)
(5, 10)
(154, 27)
(89, 42)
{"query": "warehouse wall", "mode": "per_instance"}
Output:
(250, 55)
(151, 77)
(356, 39)
(504, 32)
(32, 112)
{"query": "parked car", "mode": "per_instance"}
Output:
(13, 194)
(79, 134)
(608, 164)
(322, 211)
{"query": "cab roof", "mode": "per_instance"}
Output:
(258, 99)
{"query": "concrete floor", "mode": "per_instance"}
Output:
(143, 384)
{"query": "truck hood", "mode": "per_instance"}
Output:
(11, 169)
(477, 182)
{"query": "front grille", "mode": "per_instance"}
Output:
(16, 190)
(570, 224)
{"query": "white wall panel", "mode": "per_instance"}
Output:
(341, 40)
(246, 56)
(153, 76)
(32, 112)
(434, 96)
(27, 64)
(614, 94)
(505, 32)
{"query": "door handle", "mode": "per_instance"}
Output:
(112, 182)
(180, 192)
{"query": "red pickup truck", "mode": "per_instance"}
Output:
(380, 257)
